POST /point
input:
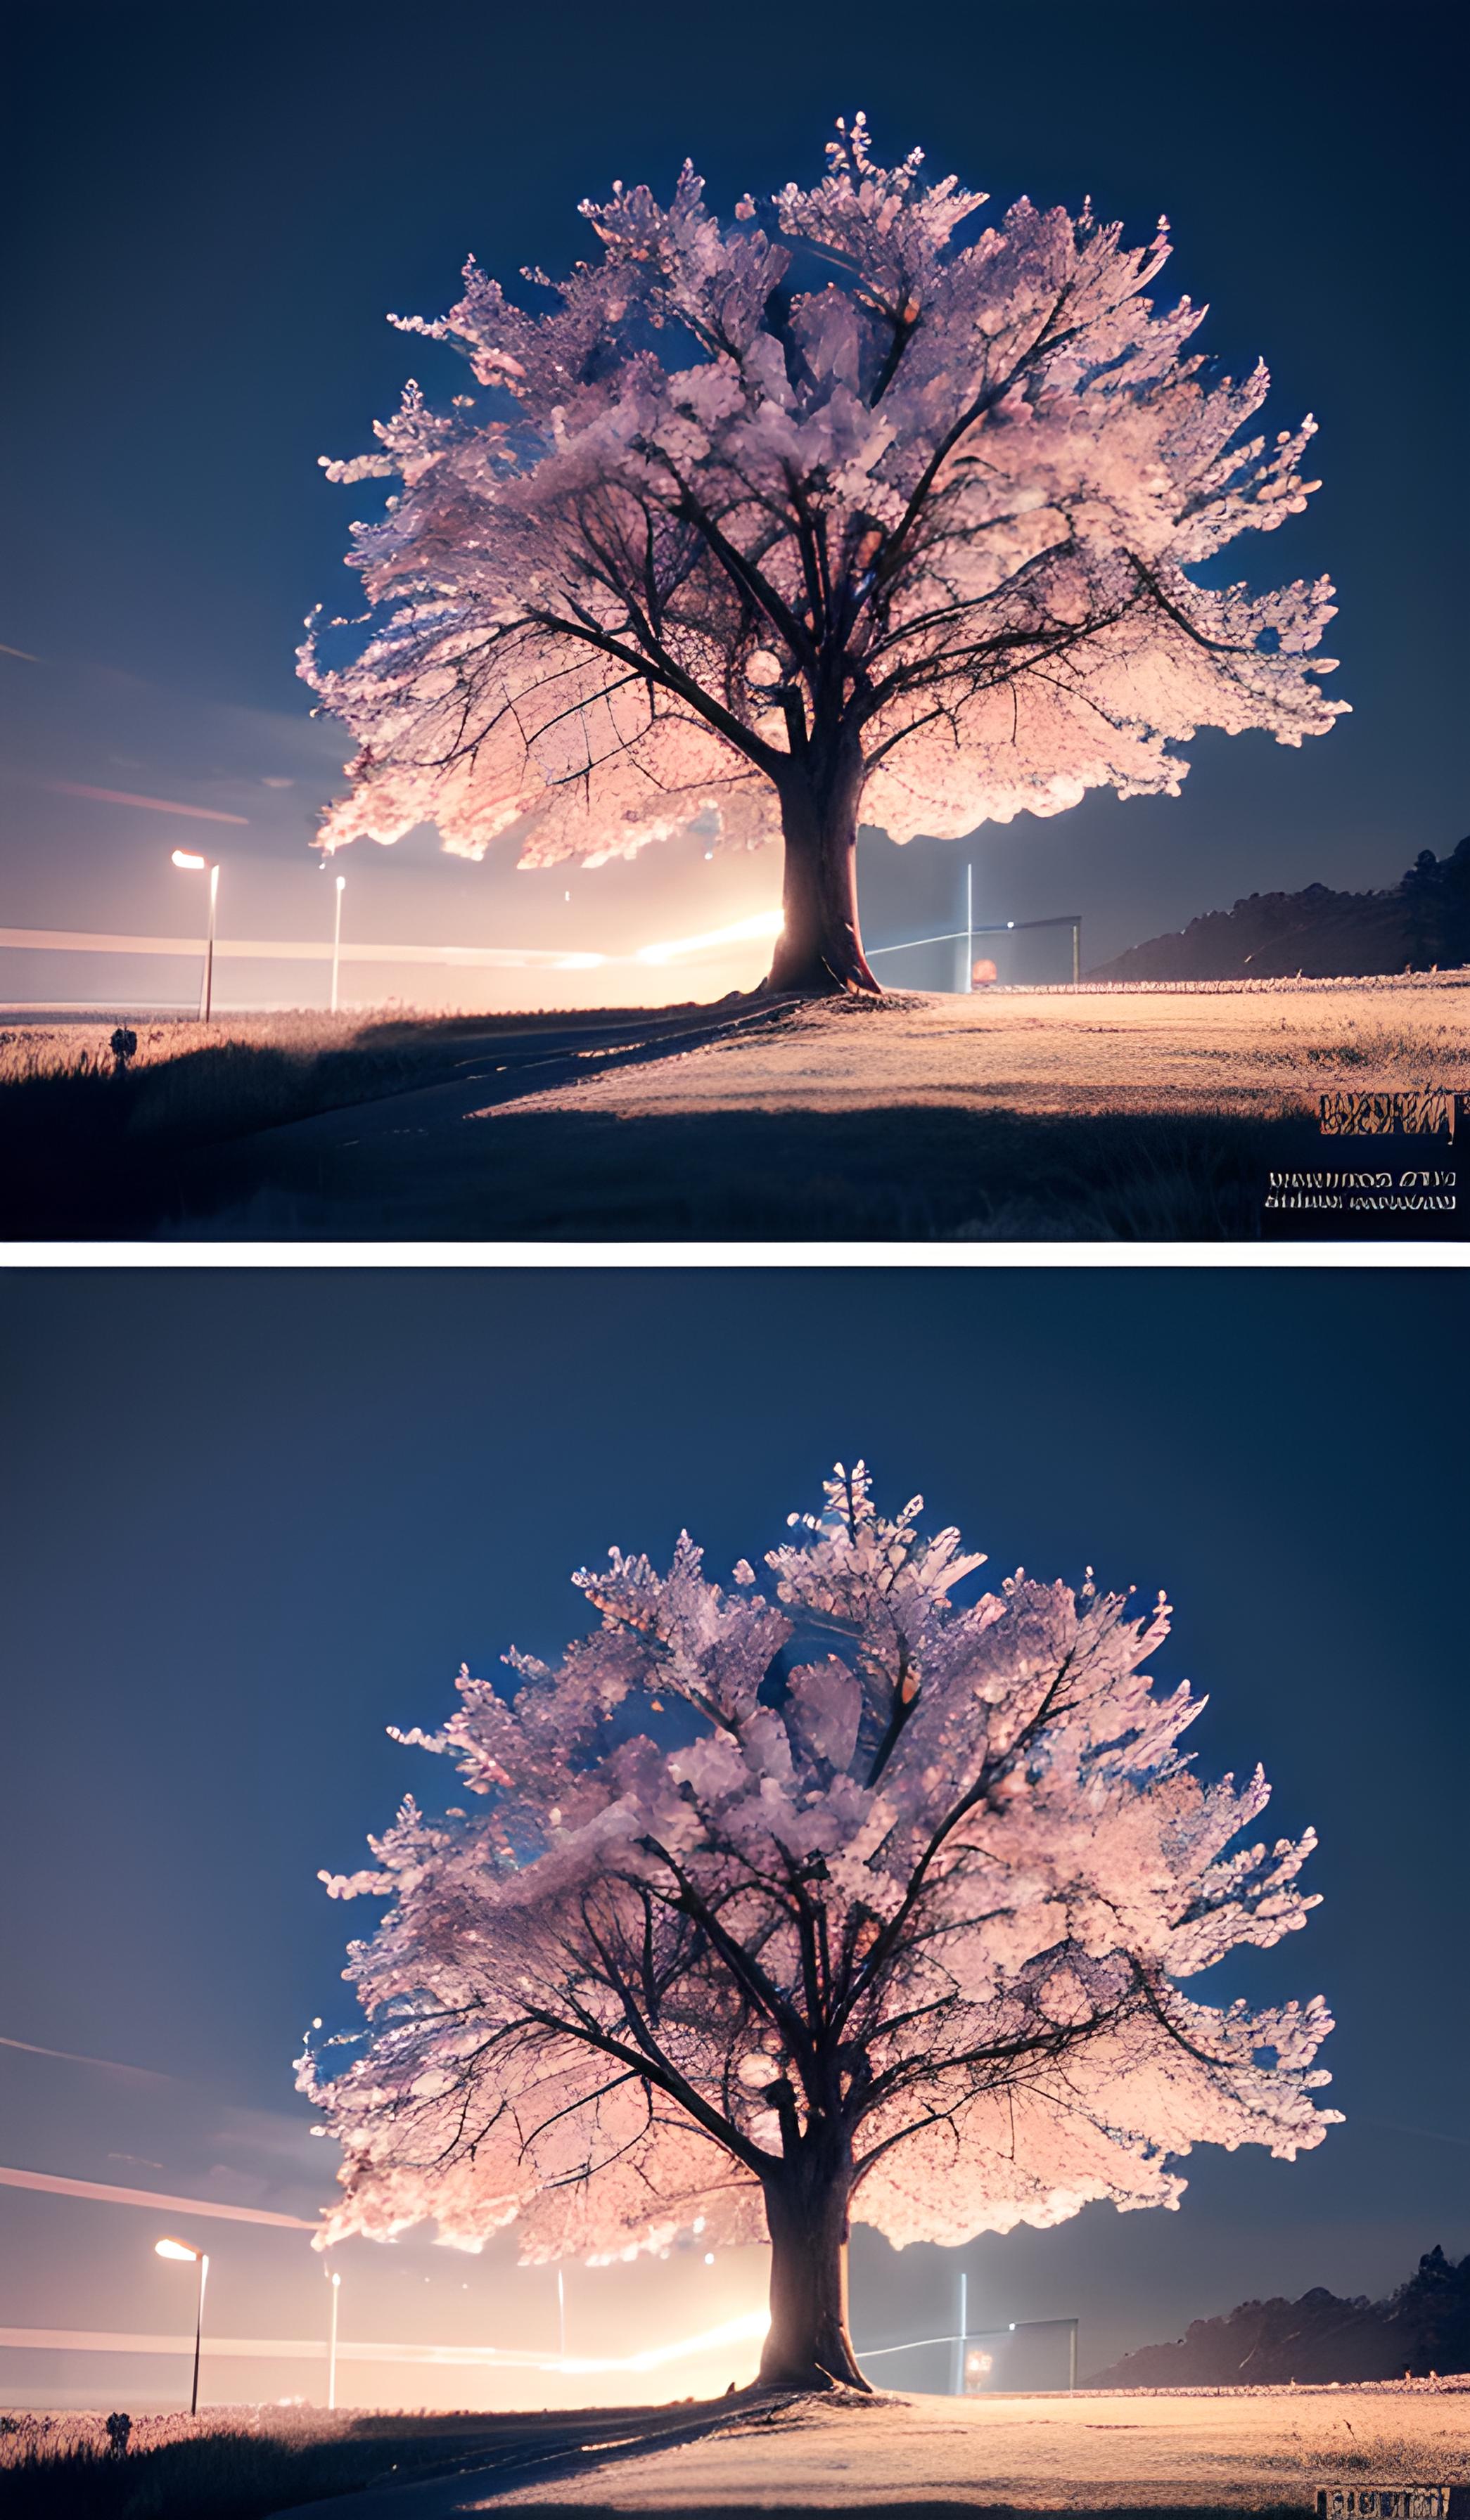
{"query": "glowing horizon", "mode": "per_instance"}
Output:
(762, 925)
(746, 2329)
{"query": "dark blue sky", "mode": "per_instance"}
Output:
(214, 209)
(253, 1517)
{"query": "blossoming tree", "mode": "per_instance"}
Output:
(817, 513)
(778, 1910)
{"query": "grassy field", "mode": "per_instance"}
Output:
(366, 1055)
(243, 2462)
(1258, 2451)
(1248, 1053)
(234, 2464)
(1126, 1116)
(919, 1176)
(88, 1148)
(1196, 2452)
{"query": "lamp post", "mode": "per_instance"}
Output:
(336, 2283)
(192, 865)
(341, 886)
(967, 968)
(193, 2256)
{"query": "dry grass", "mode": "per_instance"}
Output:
(749, 1176)
(83, 1048)
(1261, 1054)
(1119, 2452)
(1260, 2451)
(232, 2463)
(411, 1036)
(242, 2462)
(214, 1080)
(1131, 1114)
(86, 1147)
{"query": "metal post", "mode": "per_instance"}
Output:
(968, 928)
(959, 2342)
(199, 2330)
(1071, 2360)
(1077, 951)
(207, 994)
(561, 2315)
(341, 886)
(331, 2349)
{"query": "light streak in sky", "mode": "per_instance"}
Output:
(746, 2329)
(765, 922)
(154, 804)
(105, 2064)
(101, 2195)
(555, 958)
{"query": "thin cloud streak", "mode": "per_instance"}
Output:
(1422, 2134)
(97, 2193)
(154, 804)
(103, 2064)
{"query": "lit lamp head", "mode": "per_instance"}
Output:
(190, 864)
(177, 2249)
(341, 883)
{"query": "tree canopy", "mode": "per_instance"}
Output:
(833, 1896)
(818, 512)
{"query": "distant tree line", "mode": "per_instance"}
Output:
(1422, 2327)
(1421, 923)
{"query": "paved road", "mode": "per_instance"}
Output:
(532, 2450)
(368, 1167)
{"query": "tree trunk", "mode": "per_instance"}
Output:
(820, 950)
(808, 2346)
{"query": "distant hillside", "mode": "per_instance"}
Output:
(1422, 2327)
(1423, 922)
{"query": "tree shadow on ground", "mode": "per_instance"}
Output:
(923, 1174)
(236, 1145)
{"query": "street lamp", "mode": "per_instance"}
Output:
(968, 983)
(336, 2283)
(193, 2256)
(341, 886)
(192, 865)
